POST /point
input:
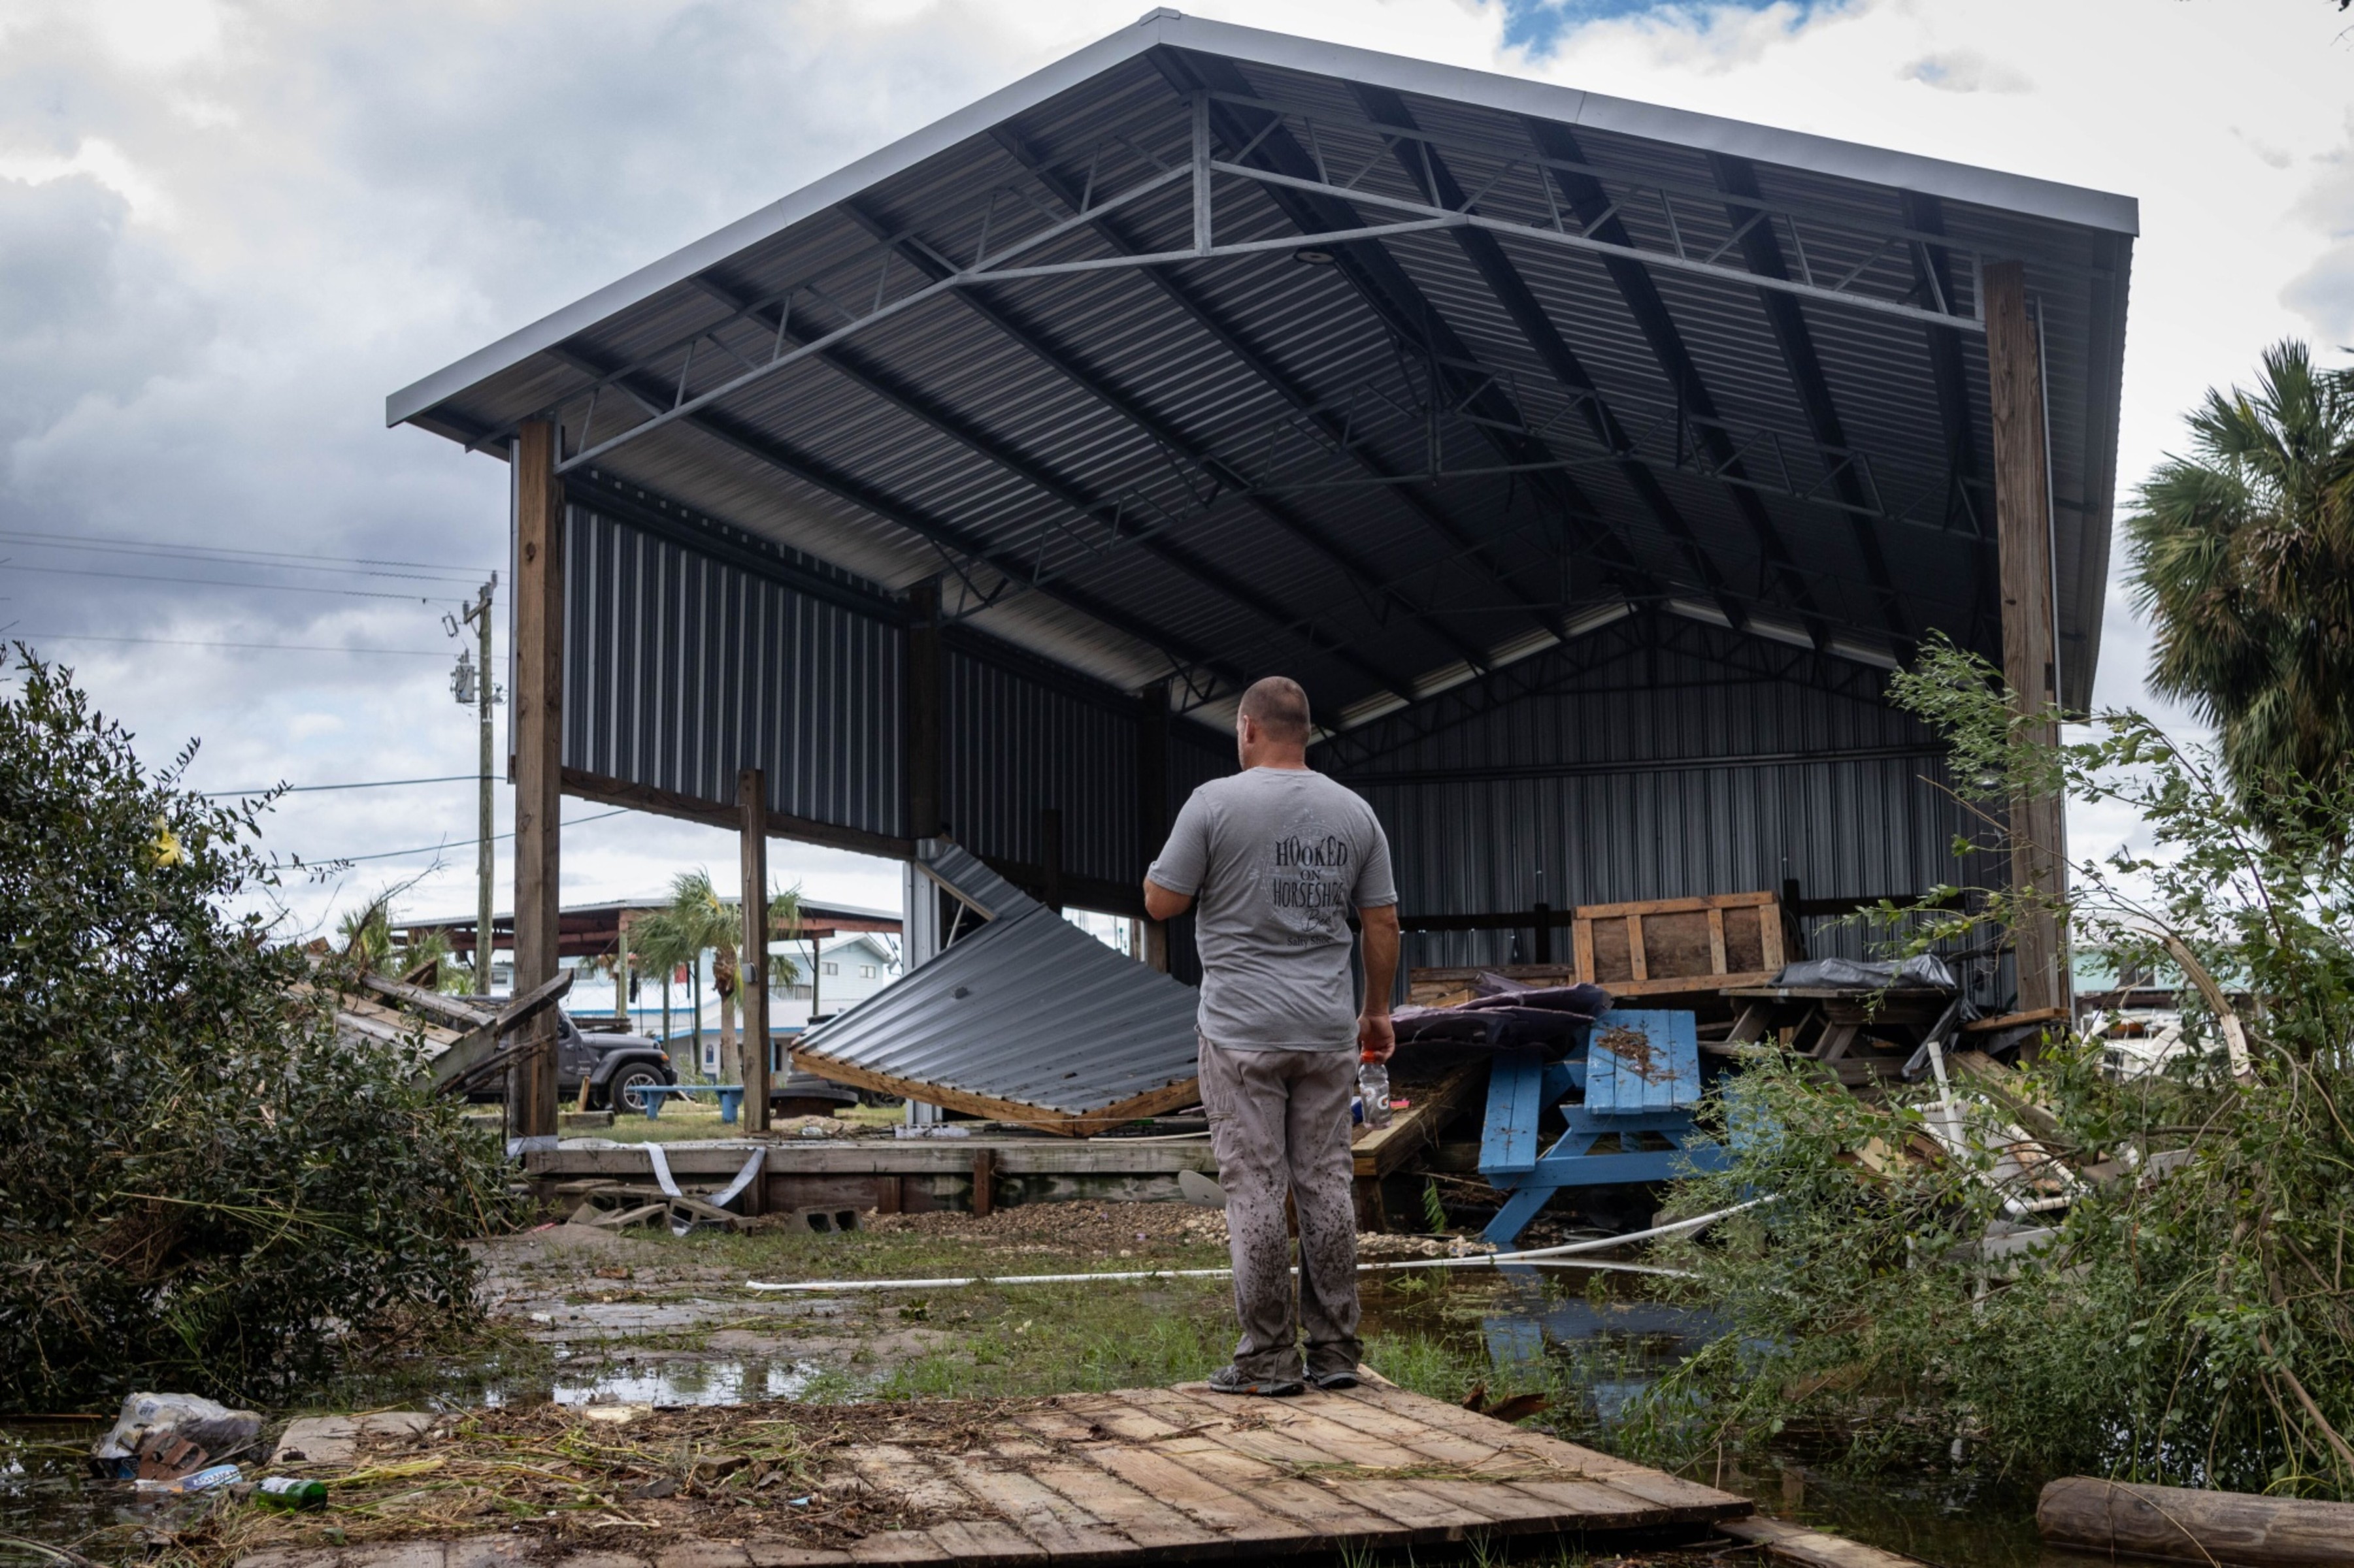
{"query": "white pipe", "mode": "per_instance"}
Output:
(1541, 1257)
(1476, 1260)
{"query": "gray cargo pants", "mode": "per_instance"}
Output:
(1278, 1123)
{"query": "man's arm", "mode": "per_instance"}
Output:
(1163, 905)
(1374, 1035)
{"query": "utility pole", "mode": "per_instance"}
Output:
(475, 689)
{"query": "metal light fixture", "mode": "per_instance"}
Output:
(1314, 255)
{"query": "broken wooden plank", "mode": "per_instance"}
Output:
(1815, 1548)
(1385, 1149)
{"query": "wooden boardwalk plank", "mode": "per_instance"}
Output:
(1546, 1505)
(1134, 1513)
(1429, 1515)
(1267, 1487)
(1335, 1443)
(1037, 1510)
(1230, 1514)
(899, 1546)
(1436, 1443)
(1690, 1500)
(986, 1543)
(903, 1473)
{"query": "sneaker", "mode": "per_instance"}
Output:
(1338, 1378)
(1234, 1379)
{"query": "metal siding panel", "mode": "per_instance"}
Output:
(1016, 745)
(1843, 827)
(680, 669)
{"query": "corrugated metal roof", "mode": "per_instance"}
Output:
(1028, 1009)
(1064, 433)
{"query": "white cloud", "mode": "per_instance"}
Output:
(1965, 71)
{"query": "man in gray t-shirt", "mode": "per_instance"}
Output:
(1273, 860)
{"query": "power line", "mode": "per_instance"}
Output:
(457, 844)
(203, 643)
(162, 547)
(219, 582)
(364, 784)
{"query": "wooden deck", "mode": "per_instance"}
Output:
(1174, 1475)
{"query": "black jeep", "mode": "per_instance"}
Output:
(615, 1066)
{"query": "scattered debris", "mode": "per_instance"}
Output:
(1025, 1018)
(165, 1436)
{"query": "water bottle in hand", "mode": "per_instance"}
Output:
(1374, 1089)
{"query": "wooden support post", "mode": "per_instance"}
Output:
(621, 966)
(1542, 951)
(1152, 804)
(1050, 855)
(538, 710)
(925, 770)
(984, 1181)
(2022, 483)
(752, 961)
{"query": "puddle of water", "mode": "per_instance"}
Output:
(681, 1383)
(1614, 1344)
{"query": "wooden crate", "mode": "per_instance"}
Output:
(1655, 946)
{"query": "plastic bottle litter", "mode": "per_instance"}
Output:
(287, 1492)
(202, 1480)
(1373, 1090)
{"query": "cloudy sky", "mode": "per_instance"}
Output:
(226, 231)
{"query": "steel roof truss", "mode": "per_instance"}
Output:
(1173, 445)
(1231, 338)
(1399, 305)
(1789, 321)
(1652, 191)
(1438, 183)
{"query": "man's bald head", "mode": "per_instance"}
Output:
(1279, 709)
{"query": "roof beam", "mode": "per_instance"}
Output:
(1561, 669)
(1403, 309)
(1931, 266)
(1486, 253)
(1229, 336)
(1167, 435)
(926, 410)
(1763, 250)
(651, 395)
(1591, 204)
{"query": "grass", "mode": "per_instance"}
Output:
(784, 1256)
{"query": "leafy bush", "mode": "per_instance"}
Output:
(2190, 1319)
(204, 1189)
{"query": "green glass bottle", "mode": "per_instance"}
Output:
(286, 1492)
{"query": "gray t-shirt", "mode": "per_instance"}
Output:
(1276, 858)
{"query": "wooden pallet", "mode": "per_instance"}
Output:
(1656, 947)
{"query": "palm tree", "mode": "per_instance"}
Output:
(658, 943)
(367, 943)
(2243, 560)
(704, 923)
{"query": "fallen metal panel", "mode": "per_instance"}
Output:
(1028, 1014)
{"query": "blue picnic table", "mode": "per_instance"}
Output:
(731, 1097)
(1640, 1074)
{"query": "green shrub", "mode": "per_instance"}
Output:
(2194, 1326)
(203, 1189)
